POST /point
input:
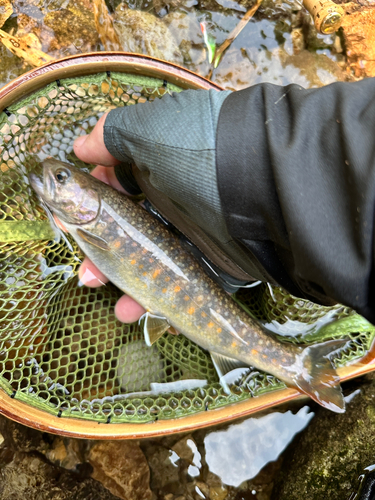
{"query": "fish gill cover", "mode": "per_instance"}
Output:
(61, 348)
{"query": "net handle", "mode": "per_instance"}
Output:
(93, 63)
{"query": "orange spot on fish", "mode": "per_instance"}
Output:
(144, 251)
(234, 344)
(210, 324)
(132, 262)
(191, 310)
(167, 279)
(274, 361)
(177, 288)
(156, 273)
(219, 330)
(186, 297)
(164, 290)
(117, 244)
(144, 274)
(254, 352)
(141, 266)
(203, 314)
(264, 356)
(132, 255)
(151, 261)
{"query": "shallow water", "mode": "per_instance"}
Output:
(279, 45)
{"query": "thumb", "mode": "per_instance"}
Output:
(91, 148)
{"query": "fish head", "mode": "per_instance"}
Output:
(72, 195)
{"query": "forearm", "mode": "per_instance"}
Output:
(298, 185)
(296, 180)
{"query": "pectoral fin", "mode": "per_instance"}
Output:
(93, 239)
(228, 369)
(153, 327)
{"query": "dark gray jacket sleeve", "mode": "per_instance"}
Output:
(296, 171)
(282, 178)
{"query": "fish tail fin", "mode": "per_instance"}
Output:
(319, 379)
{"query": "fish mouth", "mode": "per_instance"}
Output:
(41, 182)
(36, 182)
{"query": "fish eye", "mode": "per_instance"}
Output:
(62, 175)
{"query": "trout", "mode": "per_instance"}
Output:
(147, 261)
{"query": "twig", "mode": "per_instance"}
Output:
(234, 34)
(21, 47)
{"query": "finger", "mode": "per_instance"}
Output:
(90, 275)
(127, 310)
(91, 148)
(107, 175)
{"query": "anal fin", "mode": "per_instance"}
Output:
(228, 369)
(153, 327)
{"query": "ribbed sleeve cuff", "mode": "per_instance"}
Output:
(174, 139)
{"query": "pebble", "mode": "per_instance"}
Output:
(68, 133)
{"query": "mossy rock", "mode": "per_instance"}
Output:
(328, 458)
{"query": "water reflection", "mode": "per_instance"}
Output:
(240, 452)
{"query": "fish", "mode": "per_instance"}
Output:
(148, 262)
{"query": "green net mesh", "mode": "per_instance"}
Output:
(61, 348)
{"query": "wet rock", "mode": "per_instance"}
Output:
(66, 453)
(327, 459)
(27, 475)
(316, 69)
(6, 10)
(184, 449)
(186, 30)
(144, 33)
(62, 452)
(73, 28)
(298, 40)
(263, 483)
(359, 35)
(122, 468)
(164, 470)
(20, 438)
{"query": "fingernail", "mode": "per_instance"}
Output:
(80, 141)
(88, 276)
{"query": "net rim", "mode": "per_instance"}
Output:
(71, 427)
(89, 64)
(94, 62)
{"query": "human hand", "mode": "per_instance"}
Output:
(91, 149)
